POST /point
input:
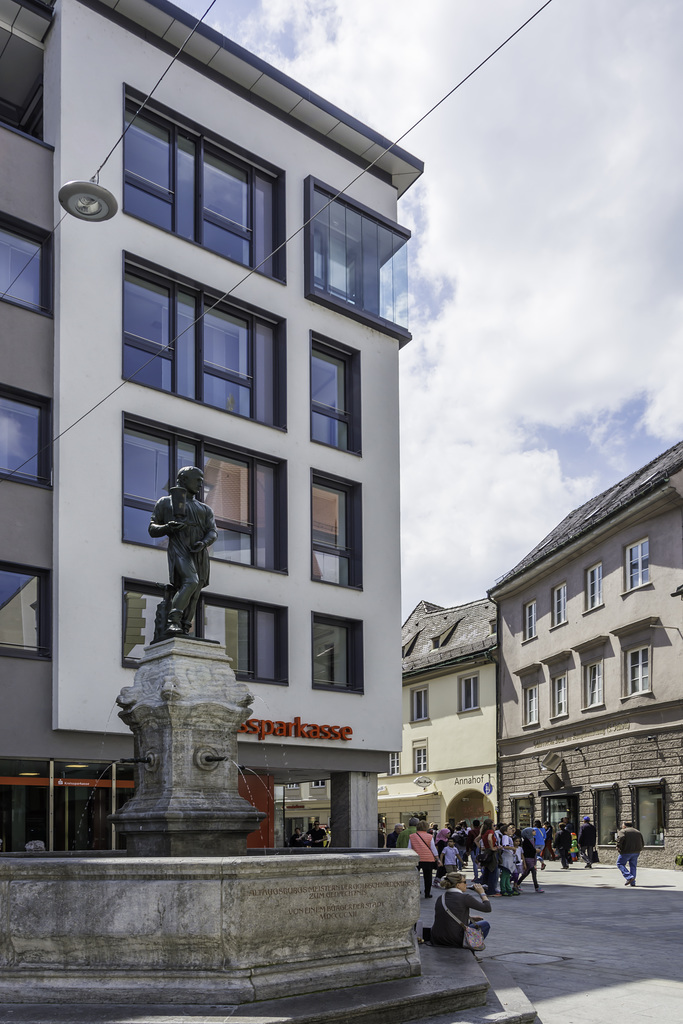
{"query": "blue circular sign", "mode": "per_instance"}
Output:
(488, 788)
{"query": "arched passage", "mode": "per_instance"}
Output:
(469, 804)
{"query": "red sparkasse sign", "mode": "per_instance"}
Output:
(262, 727)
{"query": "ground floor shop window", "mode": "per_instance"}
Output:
(62, 804)
(649, 813)
(606, 803)
(24, 803)
(523, 811)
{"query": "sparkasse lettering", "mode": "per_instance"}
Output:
(263, 727)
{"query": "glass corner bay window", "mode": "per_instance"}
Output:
(356, 260)
(179, 340)
(24, 437)
(184, 181)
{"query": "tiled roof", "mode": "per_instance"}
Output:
(460, 631)
(583, 519)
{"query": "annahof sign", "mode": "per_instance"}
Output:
(262, 727)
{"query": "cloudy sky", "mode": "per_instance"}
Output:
(547, 296)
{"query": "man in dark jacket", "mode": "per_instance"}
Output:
(629, 844)
(587, 838)
(563, 842)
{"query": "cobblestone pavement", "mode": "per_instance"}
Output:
(589, 949)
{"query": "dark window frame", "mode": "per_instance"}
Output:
(353, 549)
(323, 296)
(354, 654)
(206, 302)
(43, 652)
(280, 654)
(22, 229)
(44, 453)
(208, 446)
(352, 377)
(208, 142)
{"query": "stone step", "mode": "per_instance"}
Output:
(454, 989)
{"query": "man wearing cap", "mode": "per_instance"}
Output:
(587, 839)
(403, 841)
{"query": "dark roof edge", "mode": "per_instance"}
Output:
(457, 659)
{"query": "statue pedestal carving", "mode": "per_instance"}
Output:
(184, 711)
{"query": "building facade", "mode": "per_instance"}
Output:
(446, 768)
(187, 330)
(591, 666)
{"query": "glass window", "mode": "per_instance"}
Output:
(469, 693)
(140, 605)
(24, 438)
(593, 684)
(23, 611)
(420, 759)
(606, 813)
(242, 491)
(560, 604)
(254, 637)
(335, 404)
(638, 564)
(649, 801)
(530, 705)
(638, 670)
(165, 337)
(335, 533)
(355, 259)
(419, 705)
(337, 653)
(171, 173)
(594, 586)
(394, 763)
(82, 802)
(21, 270)
(559, 695)
(319, 784)
(530, 620)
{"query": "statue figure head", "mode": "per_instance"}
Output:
(191, 478)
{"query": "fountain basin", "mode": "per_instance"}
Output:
(204, 930)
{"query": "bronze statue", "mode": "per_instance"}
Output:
(191, 529)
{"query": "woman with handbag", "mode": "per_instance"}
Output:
(423, 844)
(452, 912)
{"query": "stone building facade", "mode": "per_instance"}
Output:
(591, 667)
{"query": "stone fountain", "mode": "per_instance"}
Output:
(186, 917)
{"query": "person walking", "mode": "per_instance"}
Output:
(507, 859)
(548, 851)
(629, 844)
(422, 842)
(587, 837)
(563, 842)
(472, 847)
(529, 854)
(488, 847)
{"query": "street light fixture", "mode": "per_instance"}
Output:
(87, 200)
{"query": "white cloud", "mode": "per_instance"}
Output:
(546, 270)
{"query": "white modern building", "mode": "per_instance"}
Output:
(188, 329)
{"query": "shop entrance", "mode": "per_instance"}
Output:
(469, 804)
(557, 807)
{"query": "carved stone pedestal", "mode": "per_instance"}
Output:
(184, 711)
